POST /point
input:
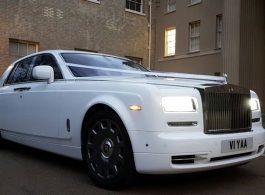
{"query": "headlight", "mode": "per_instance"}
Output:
(254, 103)
(179, 104)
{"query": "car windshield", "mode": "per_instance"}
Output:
(101, 61)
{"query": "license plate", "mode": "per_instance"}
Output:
(236, 144)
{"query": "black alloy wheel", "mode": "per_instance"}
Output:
(107, 151)
(1, 141)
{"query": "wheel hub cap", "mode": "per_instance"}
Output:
(107, 148)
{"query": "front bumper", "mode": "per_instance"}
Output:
(153, 151)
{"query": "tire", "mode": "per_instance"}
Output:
(1, 141)
(107, 151)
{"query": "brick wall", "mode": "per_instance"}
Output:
(68, 24)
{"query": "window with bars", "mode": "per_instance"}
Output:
(170, 41)
(19, 49)
(219, 21)
(171, 5)
(194, 1)
(135, 5)
(195, 36)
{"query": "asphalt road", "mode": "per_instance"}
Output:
(27, 171)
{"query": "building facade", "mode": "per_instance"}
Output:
(113, 27)
(213, 37)
(190, 36)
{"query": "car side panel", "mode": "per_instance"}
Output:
(39, 111)
(9, 108)
(74, 102)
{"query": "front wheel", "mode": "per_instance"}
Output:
(107, 151)
(1, 141)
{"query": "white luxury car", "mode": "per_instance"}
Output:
(120, 118)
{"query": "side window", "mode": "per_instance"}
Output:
(20, 72)
(48, 60)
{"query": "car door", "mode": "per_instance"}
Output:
(39, 104)
(11, 94)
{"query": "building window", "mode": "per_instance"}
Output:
(219, 23)
(19, 49)
(135, 59)
(194, 36)
(195, 1)
(135, 5)
(170, 41)
(171, 5)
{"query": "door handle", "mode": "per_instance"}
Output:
(22, 89)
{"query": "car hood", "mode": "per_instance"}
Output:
(158, 81)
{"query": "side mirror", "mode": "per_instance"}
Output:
(44, 72)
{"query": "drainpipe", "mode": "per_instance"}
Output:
(150, 33)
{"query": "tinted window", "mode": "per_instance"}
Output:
(20, 72)
(103, 62)
(48, 60)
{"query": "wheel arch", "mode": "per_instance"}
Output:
(91, 111)
(120, 105)
(100, 106)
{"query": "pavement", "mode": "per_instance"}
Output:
(28, 171)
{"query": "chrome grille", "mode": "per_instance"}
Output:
(227, 109)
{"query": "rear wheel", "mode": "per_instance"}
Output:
(107, 151)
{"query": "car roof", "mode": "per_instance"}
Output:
(59, 51)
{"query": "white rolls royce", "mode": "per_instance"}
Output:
(120, 118)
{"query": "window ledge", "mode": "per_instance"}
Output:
(168, 56)
(194, 4)
(135, 12)
(217, 48)
(94, 1)
(190, 55)
(192, 52)
(168, 12)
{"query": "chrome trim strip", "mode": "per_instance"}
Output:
(195, 158)
(183, 124)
